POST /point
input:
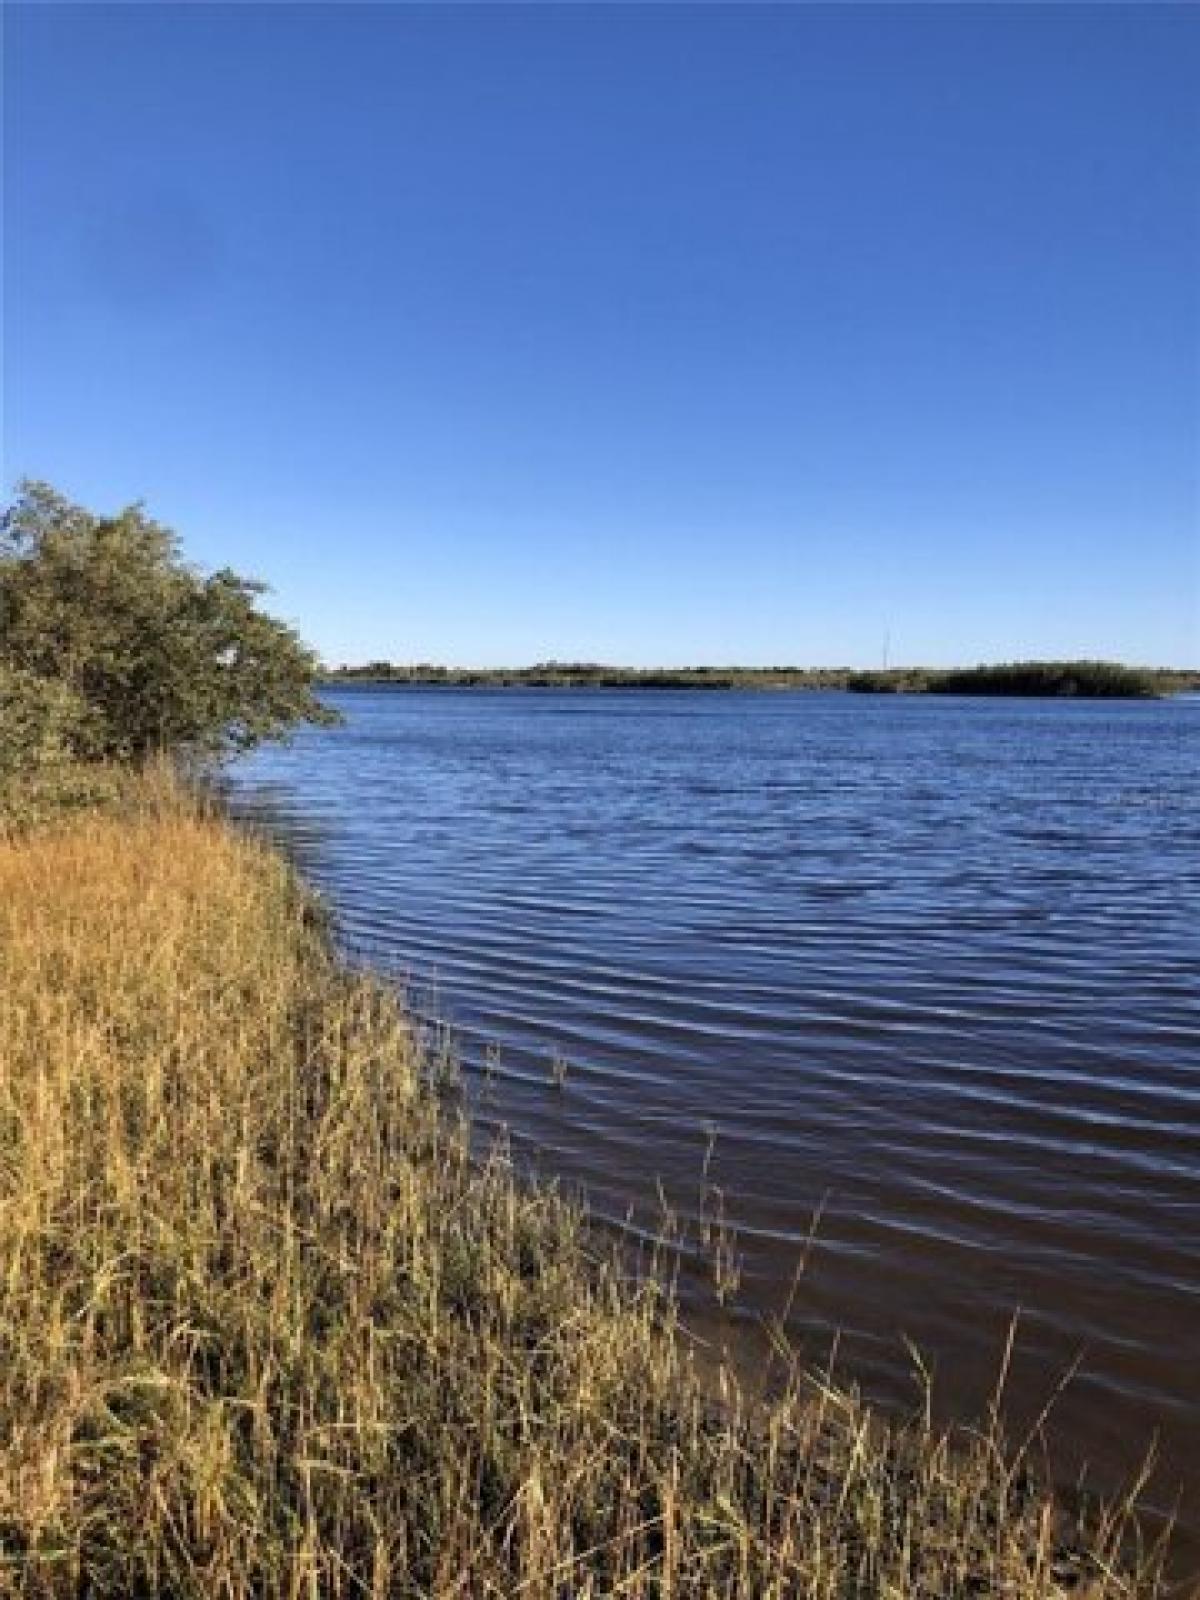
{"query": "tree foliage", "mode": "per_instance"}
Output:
(43, 722)
(1091, 680)
(148, 652)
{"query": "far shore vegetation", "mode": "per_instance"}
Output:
(1082, 679)
(271, 1323)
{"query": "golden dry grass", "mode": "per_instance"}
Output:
(267, 1329)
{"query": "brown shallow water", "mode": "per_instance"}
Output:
(928, 966)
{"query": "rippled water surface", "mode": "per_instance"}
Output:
(930, 966)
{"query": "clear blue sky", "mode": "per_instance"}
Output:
(639, 334)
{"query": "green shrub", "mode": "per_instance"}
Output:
(43, 723)
(161, 657)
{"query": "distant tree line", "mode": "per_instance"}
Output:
(1093, 680)
(576, 674)
(1085, 679)
(592, 675)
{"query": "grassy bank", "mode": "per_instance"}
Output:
(267, 1328)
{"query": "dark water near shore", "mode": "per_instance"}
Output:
(930, 964)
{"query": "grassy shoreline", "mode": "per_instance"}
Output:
(267, 1326)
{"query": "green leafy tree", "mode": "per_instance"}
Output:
(154, 655)
(43, 723)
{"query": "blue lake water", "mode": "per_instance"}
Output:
(930, 967)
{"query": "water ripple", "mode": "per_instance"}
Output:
(930, 966)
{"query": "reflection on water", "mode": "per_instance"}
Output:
(931, 965)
